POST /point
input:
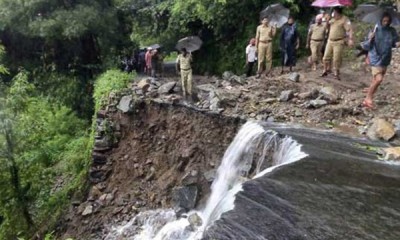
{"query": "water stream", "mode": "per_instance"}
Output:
(254, 152)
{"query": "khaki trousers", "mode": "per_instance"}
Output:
(333, 53)
(186, 76)
(264, 51)
(316, 50)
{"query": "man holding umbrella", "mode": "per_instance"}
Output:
(183, 66)
(264, 37)
(339, 29)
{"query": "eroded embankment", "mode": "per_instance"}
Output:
(144, 157)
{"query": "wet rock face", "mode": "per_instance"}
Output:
(337, 192)
(185, 197)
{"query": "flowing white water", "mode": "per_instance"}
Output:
(249, 148)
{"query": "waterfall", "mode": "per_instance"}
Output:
(253, 153)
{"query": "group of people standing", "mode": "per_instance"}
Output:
(326, 39)
(148, 61)
(153, 62)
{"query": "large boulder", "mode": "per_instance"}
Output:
(185, 197)
(228, 98)
(329, 94)
(144, 84)
(166, 88)
(381, 129)
(125, 104)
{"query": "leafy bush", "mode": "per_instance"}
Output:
(44, 155)
(112, 80)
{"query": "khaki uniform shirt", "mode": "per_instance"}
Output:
(318, 32)
(338, 28)
(265, 34)
(184, 62)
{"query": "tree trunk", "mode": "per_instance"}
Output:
(15, 178)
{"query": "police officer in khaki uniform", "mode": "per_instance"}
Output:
(340, 30)
(183, 65)
(264, 37)
(315, 40)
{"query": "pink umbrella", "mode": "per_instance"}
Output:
(331, 3)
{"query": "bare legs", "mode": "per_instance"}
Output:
(376, 81)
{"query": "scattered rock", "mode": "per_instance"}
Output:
(313, 94)
(166, 88)
(151, 175)
(227, 75)
(214, 104)
(329, 94)
(206, 88)
(316, 103)
(195, 220)
(271, 119)
(99, 158)
(144, 84)
(102, 114)
(392, 153)
(185, 197)
(88, 210)
(298, 113)
(286, 96)
(210, 175)
(294, 77)
(103, 143)
(381, 129)
(397, 127)
(238, 79)
(190, 178)
(270, 100)
(228, 98)
(106, 198)
(125, 104)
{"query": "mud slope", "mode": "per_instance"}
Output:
(159, 144)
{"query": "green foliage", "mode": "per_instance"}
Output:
(225, 27)
(112, 80)
(49, 145)
(3, 69)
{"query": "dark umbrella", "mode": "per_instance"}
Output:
(276, 14)
(331, 3)
(155, 46)
(371, 13)
(192, 43)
